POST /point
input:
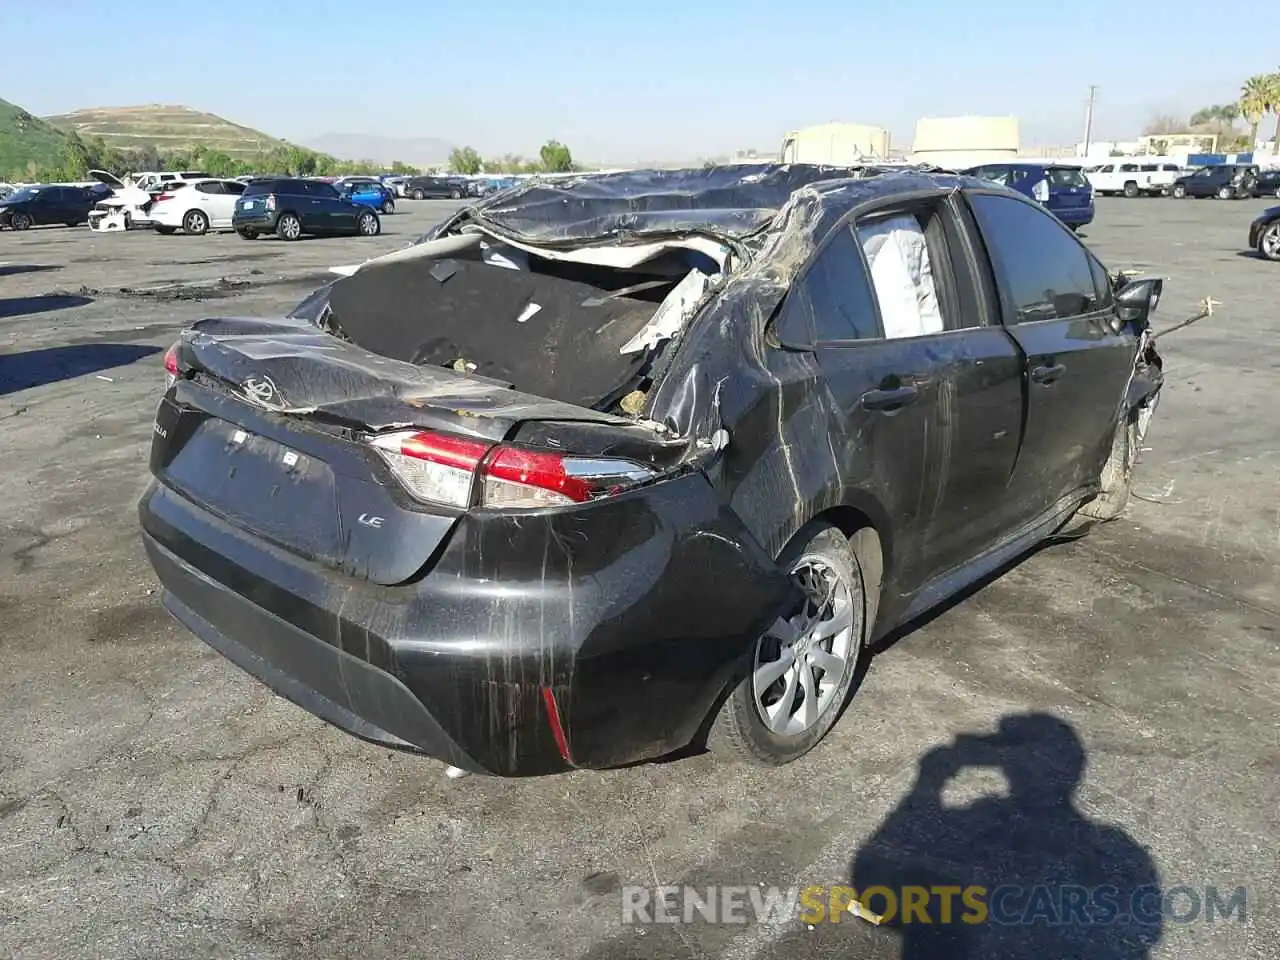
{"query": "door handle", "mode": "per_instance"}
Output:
(1047, 375)
(888, 401)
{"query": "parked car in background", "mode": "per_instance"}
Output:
(290, 208)
(196, 207)
(433, 187)
(1133, 178)
(46, 205)
(129, 204)
(1267, 184)
(751, 432)
(1063, 190)
(394, 183)
(1226, 181)
(370, 193)
(1264, 234)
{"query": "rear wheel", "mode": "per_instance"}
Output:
(455, 194)
(418, 195)
(195, 223)
(1225, 193)
(368, 224)
(388, 207)
(288, 227)
(1269, 242)
(1130, 189)
(1180, 191)
(247, 235)
(20, 221)
(804, 667)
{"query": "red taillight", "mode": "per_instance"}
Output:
(161, 196)
(440, 468)
(170, 366)
(270, 202)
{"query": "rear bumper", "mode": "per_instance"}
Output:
(1075, 216)
(619, 627)
(262, 222)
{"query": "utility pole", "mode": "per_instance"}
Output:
(1088, 117)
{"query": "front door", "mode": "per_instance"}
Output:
(1056, 303)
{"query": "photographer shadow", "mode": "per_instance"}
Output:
(1054, 884)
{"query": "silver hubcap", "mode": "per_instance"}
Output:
(801, 659)
(1271, 241)
(292, 228)
(194, 223)
(366, 224)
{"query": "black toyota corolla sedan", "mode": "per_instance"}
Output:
(610, 466)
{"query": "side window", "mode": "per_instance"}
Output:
(323, 190)
(234, 187)
(839, 293)
(1043, 270)
(1101, 283)
(209, 186)
(902, 274)
(1108, 168)
(1128, 167)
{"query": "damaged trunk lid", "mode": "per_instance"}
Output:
(269, 427)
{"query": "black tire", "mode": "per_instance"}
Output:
(1270, 250)
(368, 224)
(1180, 191)
(1225, 193)
(195, 223)
(288, 226)
(19, 221)
(418, 195)
(247, 235)
(455, 194)
(1117, 475)
(738, 731)
(1131, 189)
(165, 230)
(388, 208)
(1276, 192)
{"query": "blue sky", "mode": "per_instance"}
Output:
(662, 79)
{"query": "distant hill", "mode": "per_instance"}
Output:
(167, 128)
(415, 151)
(25, 139)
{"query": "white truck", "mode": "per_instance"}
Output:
(1135, 177)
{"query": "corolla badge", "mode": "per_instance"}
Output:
(262, 390)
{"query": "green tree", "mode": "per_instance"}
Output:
(402, 169)
(1259, 96)
(465, 160)
(556, 157)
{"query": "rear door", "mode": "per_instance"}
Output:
(921, 256)
(1056, 303)
(207, 194)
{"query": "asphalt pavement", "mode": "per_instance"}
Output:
(157, 802)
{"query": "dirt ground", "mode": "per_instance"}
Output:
(155, 802)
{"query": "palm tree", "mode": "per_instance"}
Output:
(1259, 96)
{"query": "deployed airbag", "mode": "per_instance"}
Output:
(544, 335)
(898, 256)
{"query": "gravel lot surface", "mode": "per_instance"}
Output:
(157, 802)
